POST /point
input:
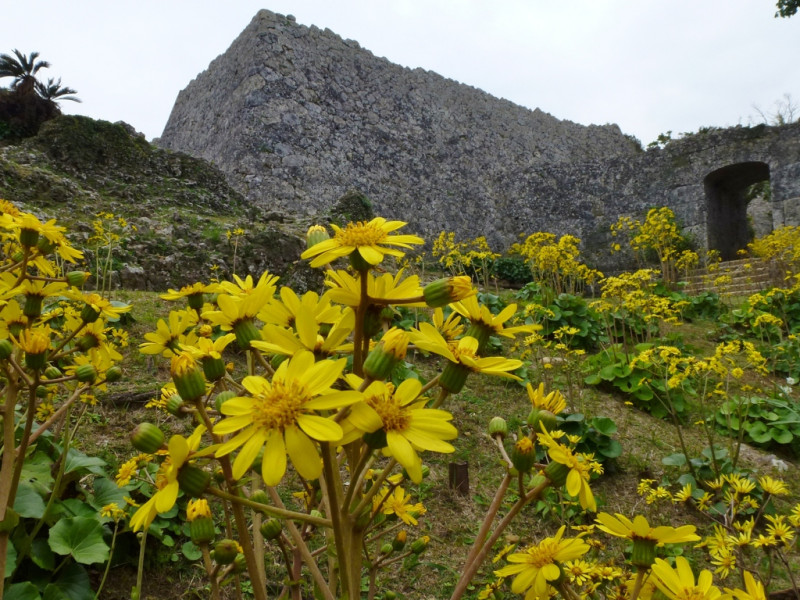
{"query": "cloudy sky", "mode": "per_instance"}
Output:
(648, 65)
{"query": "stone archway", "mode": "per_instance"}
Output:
(726, 206)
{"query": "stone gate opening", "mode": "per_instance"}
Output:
(726, 206)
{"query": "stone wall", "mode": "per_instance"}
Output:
(296, 116)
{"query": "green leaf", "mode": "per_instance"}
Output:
(72, 507)
(674, 460)
(107, 492)
(72, 584)
(612, 450)
(11, 559)
(22, 591)
(81, 538)
(79, 461)
(42, 555)
(37, 472)
(759, 433)
(191, 552)
(604, 425)
(28, 503)
(782, 436)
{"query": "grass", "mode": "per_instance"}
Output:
(452, 519)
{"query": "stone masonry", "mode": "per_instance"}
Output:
(296, 116)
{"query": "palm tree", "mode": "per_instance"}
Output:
(53, 91)
(23, 69)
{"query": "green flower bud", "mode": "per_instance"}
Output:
(246, 332)
(86, 342)
(557, 473)
(147, 438)
(201, 530)
(225, 551)
(382, 360)
(193, 480)
(52, 372)
(6, 349)
(399, 541)
(222, 398)
(260, 496)
(77, 278)
(523, 455)
(453, 378)
(33, 306)
(540, 417)
(89, 314)
(45, 246)
(315, 235)
(271, 529)
(419, 545)
(387, 548)
(498, 427)
(444, 291)
(85, 373)
(28, 237)
(175, 406)
(188, 378)
(113, 374)
(213, 368)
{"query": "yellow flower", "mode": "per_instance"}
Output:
(279, 417)
(776, 487)
(35, 341)
(480, 315)
(306, 335)
(398, 503)
(368, 239)
(679, 583)
(196, 509)
(540, 565)
(168, 338)
(554, 401)
(754, 590)
(167, 479)
(577, 480)
(640, 529)
(391, 289)
(408, 425)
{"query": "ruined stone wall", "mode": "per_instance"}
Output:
(296, 116)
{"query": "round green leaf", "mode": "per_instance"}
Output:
(81, 538)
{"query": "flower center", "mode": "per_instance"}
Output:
(360, 234)
(281, 406)
(543, 554)
(690, 593)
(393, 415)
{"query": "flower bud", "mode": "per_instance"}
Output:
(33, 306)
(201, 525)
(454, 376)
(246, 331)
(28, 237)
(557, 473)
(387, 548)
(77, 278)
(213, 368)
(188, 378)
(53, 372)
(498, 427)
(271, 529)
(540, 417)
(315, 235)
(45, 246)
(147, 438)
(451, 289)
(259, 496)
(89, 314)
(382, 360)
(175, 406)
(225, 551)
(113, 374)
(6, 349)
(523, 455)
(399, 541)
(419, 545)
(222, 398)
(193, 480)
(86, 373)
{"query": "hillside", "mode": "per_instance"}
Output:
(178, 208)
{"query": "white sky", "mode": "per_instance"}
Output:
(648, 65)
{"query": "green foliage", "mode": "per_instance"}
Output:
(512, 269)
(572, 312)
(611, 370)
(595, 435)
(772, 422)
(787, 8)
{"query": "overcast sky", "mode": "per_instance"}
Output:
(648, 65)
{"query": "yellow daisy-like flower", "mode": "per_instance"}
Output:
(754, 590)
(580, 469)
(776, 487)
(279, 417)
(197, 509)
(480, 315)
(428, 338)
(639, 529)
(306, 335)
(398, 503)
(167, 479)
(679, 583)
(370, 240)
(168, 337)
(539, 565)
(391, 289)
(244, 287)
(401, 414)
(554, 401)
